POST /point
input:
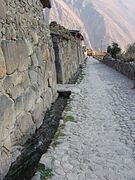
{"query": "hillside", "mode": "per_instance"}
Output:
(66, 16)
(102, 20)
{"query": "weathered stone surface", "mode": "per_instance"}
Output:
(24, 129)
(47, 97)
(34, 60)
(19, 105)
(33, 76)
(16, 55)
(2, 65)
(11, 55)
(13, 85)
(126, 68)
(50, 80)
(22, 50)
(45, 52)
(29, 98)
(25, 82)
(35, 37)
(2, 10)
(37, 176)
(29, 47)
(6, 116)
(5, 162)
(38, 113)
(68, 52)
(39, 56)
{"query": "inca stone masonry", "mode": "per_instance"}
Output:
(32, 62)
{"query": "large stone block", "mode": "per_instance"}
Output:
(5, 162)
(35, 37)
(45, 52)
(39, 56)
(25, 83)
(19, 106)
(16, 55)
(23, 130)
(41, 85)
(2, 65)
(34, 60)
(22, 50)
(50, 79)
(11, 55)
(13, 85)
(47, 98)
(6, 116)
(29, 97)
(38, 113)
(33, 76)
(29, 47)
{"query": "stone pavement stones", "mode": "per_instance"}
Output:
(100, 143)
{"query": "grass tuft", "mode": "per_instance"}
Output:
(55, 140)
(69, 118)
(68, 108)
(81, 77)
(45, 172)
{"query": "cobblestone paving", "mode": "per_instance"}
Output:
(100, 143)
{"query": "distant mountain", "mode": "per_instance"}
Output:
(65, 15)
(102, 21)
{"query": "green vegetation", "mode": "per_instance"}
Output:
(114, 50)
(69, 118)
(68, 108)
(58, 134)
(66, 119)
(81, 77)
(70, 99)
(128, 55)
(45, 173)
(131, 48)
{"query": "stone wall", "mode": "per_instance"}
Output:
(68, 52)
(28, 74)
(126, 68)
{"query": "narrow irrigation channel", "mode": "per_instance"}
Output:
(26, 165)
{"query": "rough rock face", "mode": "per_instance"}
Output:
(64, 14)
(104, 20)
(68, 53)
(27, 75)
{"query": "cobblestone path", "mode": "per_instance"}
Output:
(100, 143)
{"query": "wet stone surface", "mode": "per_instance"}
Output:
(100, 143)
